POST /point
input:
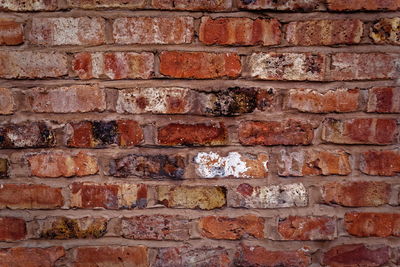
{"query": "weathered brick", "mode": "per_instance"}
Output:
(26, 134)
(192, 197)
(385, 163)
(199, 65)
(287, 66)
(7, 104)
(4, 168)
(28, 64)
(156, 227)
(101, 133)
(232, 228)
(12, 229)
(108, 196)
(11, 32)
(199, 5)
(384, 100)
(149, 166)
(269, 133)
(308, 100)
(77, 98)
(370, 5)
(356, 194)
(386, 31)
(366, 224)
(365, 66)
(313, 162)
(153, 30)
(67, 31)
(324, 32)
(173, 134)
(240, 31)
(360, 131)
(290, 5)
(354, 255)
(113, 65)
(307, 228)
(260, 256)
(35, 257)
(36, 5)
(266, 197)
(238, 165)
(24, 196)
(103, 4)
(68, 228)
(166, 100)
(61, 164)
(111, 256)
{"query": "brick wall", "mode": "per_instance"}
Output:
(199, 133)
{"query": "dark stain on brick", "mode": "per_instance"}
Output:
(105, 132)
(66, 228)
(3, 168)
(25, 135)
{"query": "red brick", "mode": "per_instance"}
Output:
(324, 32)
(360, 131)
(4, 168)
(308, 100)
(111, 256)
(260, 256)
(199, 65)
(384, 100)
(7, 103)
(153, 30)
(269, 133)
(365, 66)
(385, 163)
(104, 4)
(60, 164)
(240, 31)
(24, 196)
(356, 194)
(37, 5)
(192, 134)
(199, 5)
(25, 135)
(287, 66)
(370, 5)
(372, 224)
(77, 98)
(355, 255)
(113, 65)
(28, 64)
(32, 257)
(307, 228)
(232, 228)
(12, 229)
(67, 31)
(156, 227)
(11, 32)
(290, 5)
(386, 31)
(129, 133)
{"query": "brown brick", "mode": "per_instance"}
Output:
(28, 64)
(356, 194)
(199, 5)
(7, 104)
(24, 256)
(113, 65)
(260, 256)
(240, 31)
(77, 98)
(385, 163)
(308, 100)
(67, 31)
(192, 134)
(11, 32)
(153, 30)
(354, 255)
(60, 164)
(37, 5)
(360, 131)
(288, 5)
(269, 133)
(111, 256)
(365, 66)
(384, 100)
(313, 162)
(232, 228)
(307, 228)
(104, 4)
(287, 66)
(192, 197)
(370, 5)
(156, 227)
(4, 168)
(12, 229)
(386, 31)
(199, 65)
(25, 135)
(365, 224)
(24, 196)
(324, 32)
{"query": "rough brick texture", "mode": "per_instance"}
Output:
(11, 32)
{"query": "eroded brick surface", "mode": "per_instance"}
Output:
(366, 224)
(37, 5)
(105, 4)
(200, 5)
(289, 5)
(7, 103)
(359, 5)
(307, 228)
(12, 229)
(384, 100)
(11, 32)
(385, 163)
(25, 256)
